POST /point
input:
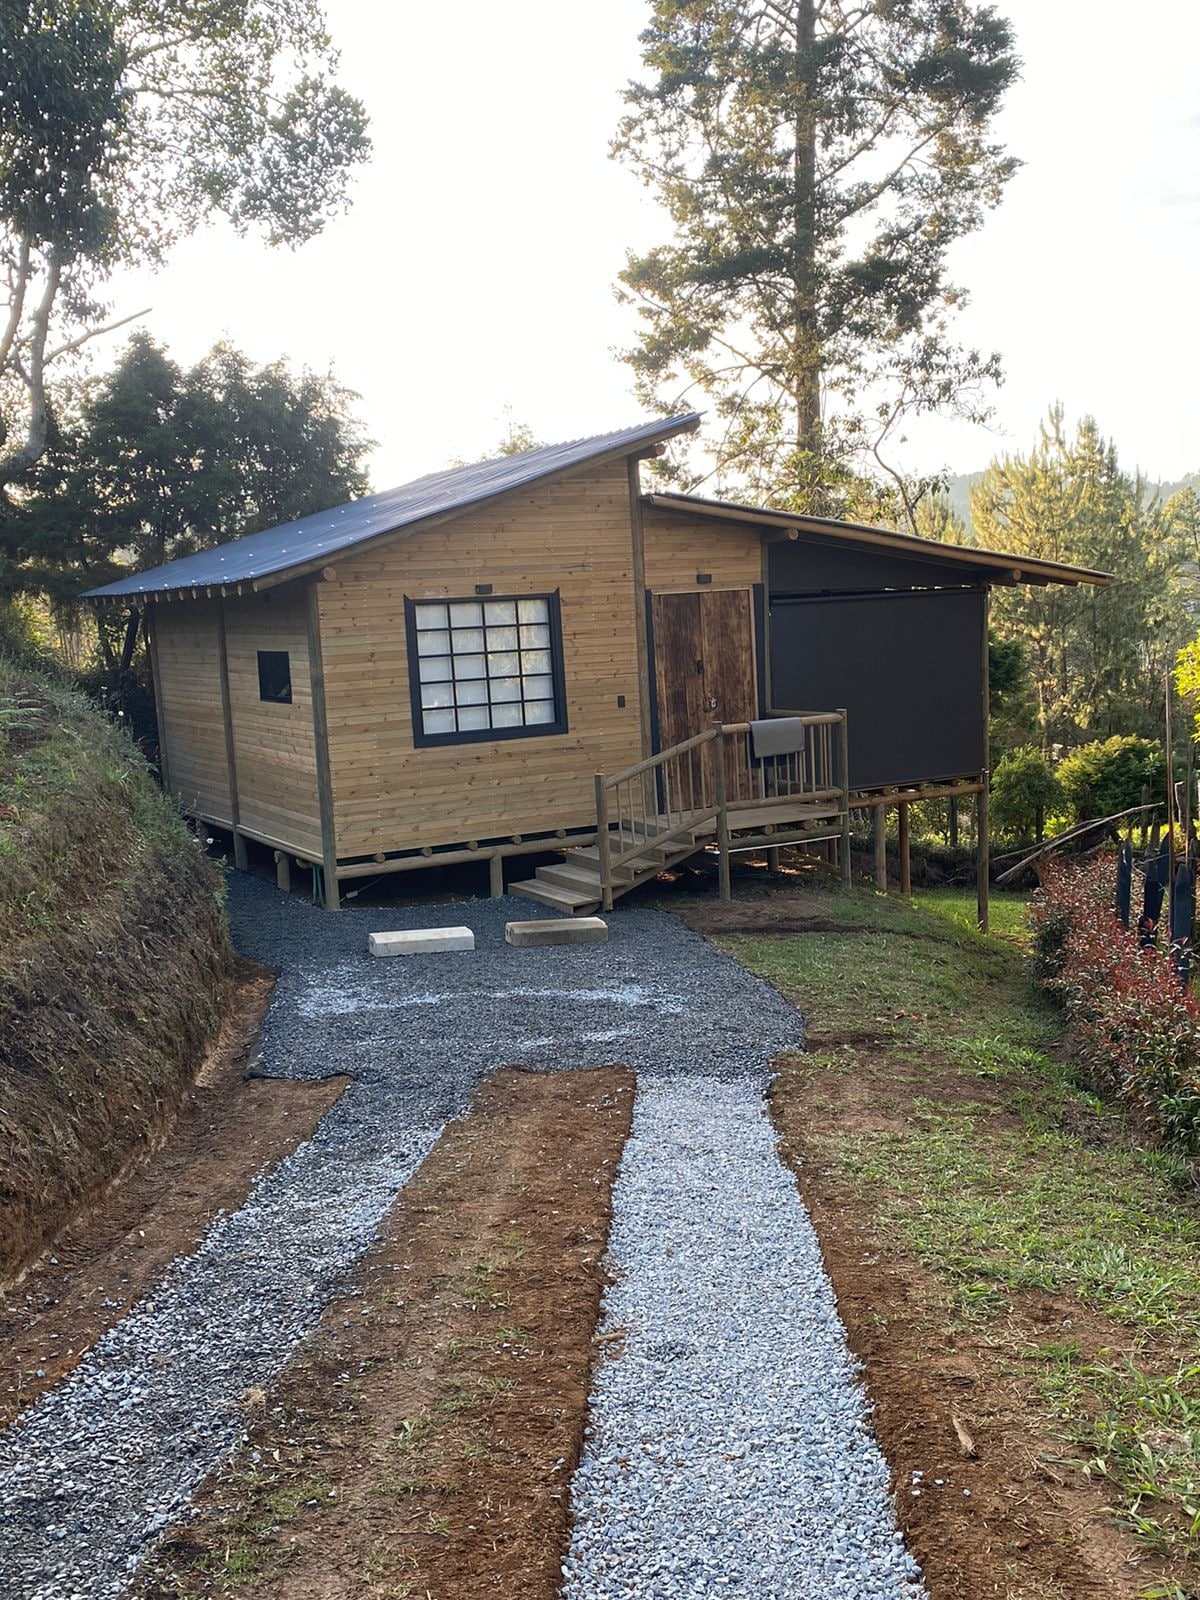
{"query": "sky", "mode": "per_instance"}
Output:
(471, 284)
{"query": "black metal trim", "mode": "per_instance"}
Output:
(825, 595)
(423, 740)
(284, 696)
(759, 602)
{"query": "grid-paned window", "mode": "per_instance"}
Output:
(485, 669)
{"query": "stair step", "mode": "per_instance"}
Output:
(653, 860)
(569, 901)
(581, 875)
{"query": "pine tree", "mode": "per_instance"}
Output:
(1096, 656)
(817, 160)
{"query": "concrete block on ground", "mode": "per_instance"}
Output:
(557, 930)
(420, 942)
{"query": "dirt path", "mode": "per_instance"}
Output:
(227, 1131)
(1014, 1513)
(423, 1441)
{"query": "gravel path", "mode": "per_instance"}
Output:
(728, 1450)
(94, 1471)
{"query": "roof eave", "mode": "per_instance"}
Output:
(1008, 568)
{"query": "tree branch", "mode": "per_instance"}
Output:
(17, 308)
(95, 333)
(24, 455)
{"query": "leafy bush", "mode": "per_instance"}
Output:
(1024, 790)
(1134, 1032)
(1106, 777)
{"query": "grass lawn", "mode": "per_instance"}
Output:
(937, 1102)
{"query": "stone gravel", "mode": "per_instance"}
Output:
(728, 1449)
(94, 1471)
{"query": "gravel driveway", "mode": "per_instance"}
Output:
(95, 1470)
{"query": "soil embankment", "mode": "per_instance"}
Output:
(115, 962)
(228, 1131)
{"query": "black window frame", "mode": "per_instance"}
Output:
(423, 740)
(284, 698)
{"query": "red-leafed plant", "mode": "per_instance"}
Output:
(1134, 1032)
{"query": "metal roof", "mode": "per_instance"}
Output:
(311, 541)
(1007, 567)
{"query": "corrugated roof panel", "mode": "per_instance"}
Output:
(326, 533)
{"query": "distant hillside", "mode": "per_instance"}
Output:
(114, 957)
(959, 490)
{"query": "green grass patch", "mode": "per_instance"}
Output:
(1004, 1178)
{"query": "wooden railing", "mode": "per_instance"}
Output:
(709, 779)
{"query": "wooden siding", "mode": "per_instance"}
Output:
(573, 535)
(678, 547)
(273, 742)
(189, 705)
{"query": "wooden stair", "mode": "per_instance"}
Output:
(572, 886)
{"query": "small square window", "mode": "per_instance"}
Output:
(275, 676)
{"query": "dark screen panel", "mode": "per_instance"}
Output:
(907, 667)
(811, 565)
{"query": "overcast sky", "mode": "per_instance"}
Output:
(475, 270)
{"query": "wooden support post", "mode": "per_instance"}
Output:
(953, 823)
(773, 858)
(496, 875)
(981, 855)
(638, 537)
(283, 871)
(240, 858)
(880, 821)
(316, 677)
(604, 843)
(905, 850)
(151, 627)
(982, 862)
(722, 814)
(842, 780)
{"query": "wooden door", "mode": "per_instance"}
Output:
(703, 661)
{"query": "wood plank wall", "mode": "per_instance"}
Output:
(679, 546)
(189, 700)
(273, 741)
(572, 534)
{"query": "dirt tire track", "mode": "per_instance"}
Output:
(425, 1439)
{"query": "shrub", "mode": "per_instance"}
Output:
(1134, 1032)
(1024, 789)
(1104, 778)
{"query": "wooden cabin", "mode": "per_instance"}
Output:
(534, 654)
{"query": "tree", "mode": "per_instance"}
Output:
(1096, 656)
(1107, 777)
(1012, 715)
(127, 123)
(817, 159)
(937, 519)
(1024, 791)
(156, 462)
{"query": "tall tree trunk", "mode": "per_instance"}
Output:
(808, 356)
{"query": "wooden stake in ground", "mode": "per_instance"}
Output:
(1170, 803)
